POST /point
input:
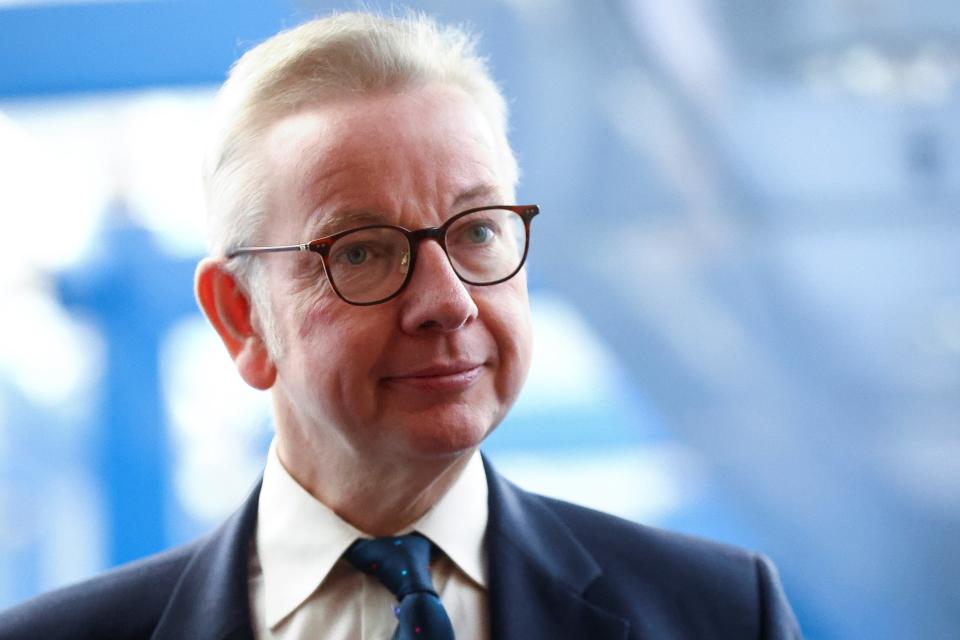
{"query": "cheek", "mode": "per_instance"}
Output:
(509, 322)
(522, 333)
(315, 312)
(344, 343)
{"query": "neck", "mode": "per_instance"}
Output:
(379, 498)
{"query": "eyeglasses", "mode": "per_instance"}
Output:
(372, 264)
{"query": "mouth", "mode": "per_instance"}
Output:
(450, 377)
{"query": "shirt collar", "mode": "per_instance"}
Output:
(299, 539)
(458, 522)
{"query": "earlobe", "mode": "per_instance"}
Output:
(228, 309)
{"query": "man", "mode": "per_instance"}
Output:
(367, 270)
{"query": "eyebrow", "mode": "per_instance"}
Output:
(343, 220)
(353, 218)
(479, 192)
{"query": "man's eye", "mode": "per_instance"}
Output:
(355, 255)
(480, 233)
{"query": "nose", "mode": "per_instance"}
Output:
(435, 299)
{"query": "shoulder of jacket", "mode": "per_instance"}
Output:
(619, 543)
(125, 602)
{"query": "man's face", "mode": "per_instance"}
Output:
(431, 372)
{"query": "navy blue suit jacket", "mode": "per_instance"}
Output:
(556, 571)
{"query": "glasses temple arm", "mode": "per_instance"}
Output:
(251, 250)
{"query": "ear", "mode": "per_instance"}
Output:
(228, 309)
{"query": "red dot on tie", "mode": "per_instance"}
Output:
(416, 629)
(374, 566)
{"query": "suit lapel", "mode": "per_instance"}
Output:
(539, 572)
(211, 600)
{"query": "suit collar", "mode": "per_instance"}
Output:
(539, 572)
(210, 600)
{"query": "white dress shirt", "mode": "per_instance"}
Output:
(300, 587)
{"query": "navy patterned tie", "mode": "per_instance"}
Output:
(402, 565)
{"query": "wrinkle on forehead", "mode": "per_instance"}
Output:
(324, 224)
(420, 196)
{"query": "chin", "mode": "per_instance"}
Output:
(436, 439)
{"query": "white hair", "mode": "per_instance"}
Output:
(346, 54)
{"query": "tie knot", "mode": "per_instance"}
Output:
(401, 563)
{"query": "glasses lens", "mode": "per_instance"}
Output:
(368, 265)
(487, 246)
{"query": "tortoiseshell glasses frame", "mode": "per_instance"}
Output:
(373, 264)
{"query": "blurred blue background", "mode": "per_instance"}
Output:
(746, 283)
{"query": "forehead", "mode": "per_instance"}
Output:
(420, 150)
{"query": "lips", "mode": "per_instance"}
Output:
(441, 377)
